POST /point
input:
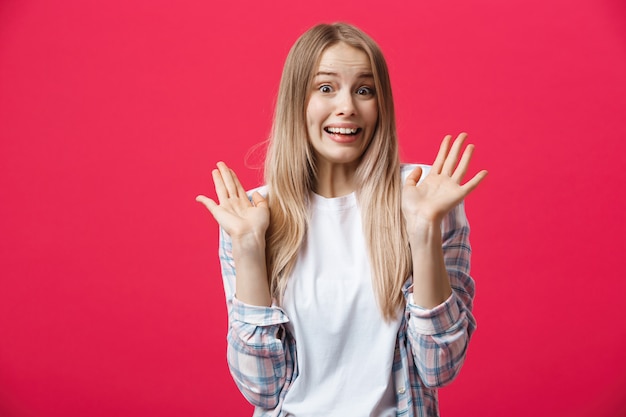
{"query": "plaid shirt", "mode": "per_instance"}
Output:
(430, 347)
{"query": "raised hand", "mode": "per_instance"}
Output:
(441, 190)
(235, 213)
(246, 222)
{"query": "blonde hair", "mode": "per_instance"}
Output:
(290, 171)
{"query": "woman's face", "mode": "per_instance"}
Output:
(342, 110)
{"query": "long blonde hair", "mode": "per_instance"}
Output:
(290, 171)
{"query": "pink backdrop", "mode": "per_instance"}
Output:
(112, 115)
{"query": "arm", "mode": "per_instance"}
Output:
(439, 336)
(259, 357)
(440, 321)
(256, 346)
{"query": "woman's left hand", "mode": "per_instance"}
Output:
(441, 190)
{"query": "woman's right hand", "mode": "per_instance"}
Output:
(246, 222)
(235, 213)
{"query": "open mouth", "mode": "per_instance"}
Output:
(342, 131)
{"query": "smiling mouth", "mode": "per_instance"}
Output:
(342, 131)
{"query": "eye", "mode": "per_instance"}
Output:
(325, 88)
(365, 91)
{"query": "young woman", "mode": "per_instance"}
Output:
(347, 274)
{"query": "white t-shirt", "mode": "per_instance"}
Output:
(345, 349)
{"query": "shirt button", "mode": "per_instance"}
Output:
(401, 391)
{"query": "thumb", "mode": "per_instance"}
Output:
(208, 203)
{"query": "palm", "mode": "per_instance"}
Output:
(235, 213)
(441, 190)
(238, 217)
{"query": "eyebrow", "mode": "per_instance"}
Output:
(334, 74)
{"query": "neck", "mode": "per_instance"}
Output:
(335, 180)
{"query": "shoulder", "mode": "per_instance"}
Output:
(405, 170)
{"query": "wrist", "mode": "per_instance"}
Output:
(250, 242)
(420, 228)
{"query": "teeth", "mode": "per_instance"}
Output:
(341, 130)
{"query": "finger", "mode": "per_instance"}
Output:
(220, 186)
(259, 200)
(206, 201)
(441, 155)
(220, 215)
(453, 156)
(240, 190)
(469, 186)
(414, 177)
(461, 169)
(227, 177)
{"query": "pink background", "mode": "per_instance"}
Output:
(112, 115)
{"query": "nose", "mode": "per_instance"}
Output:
(345, 103)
